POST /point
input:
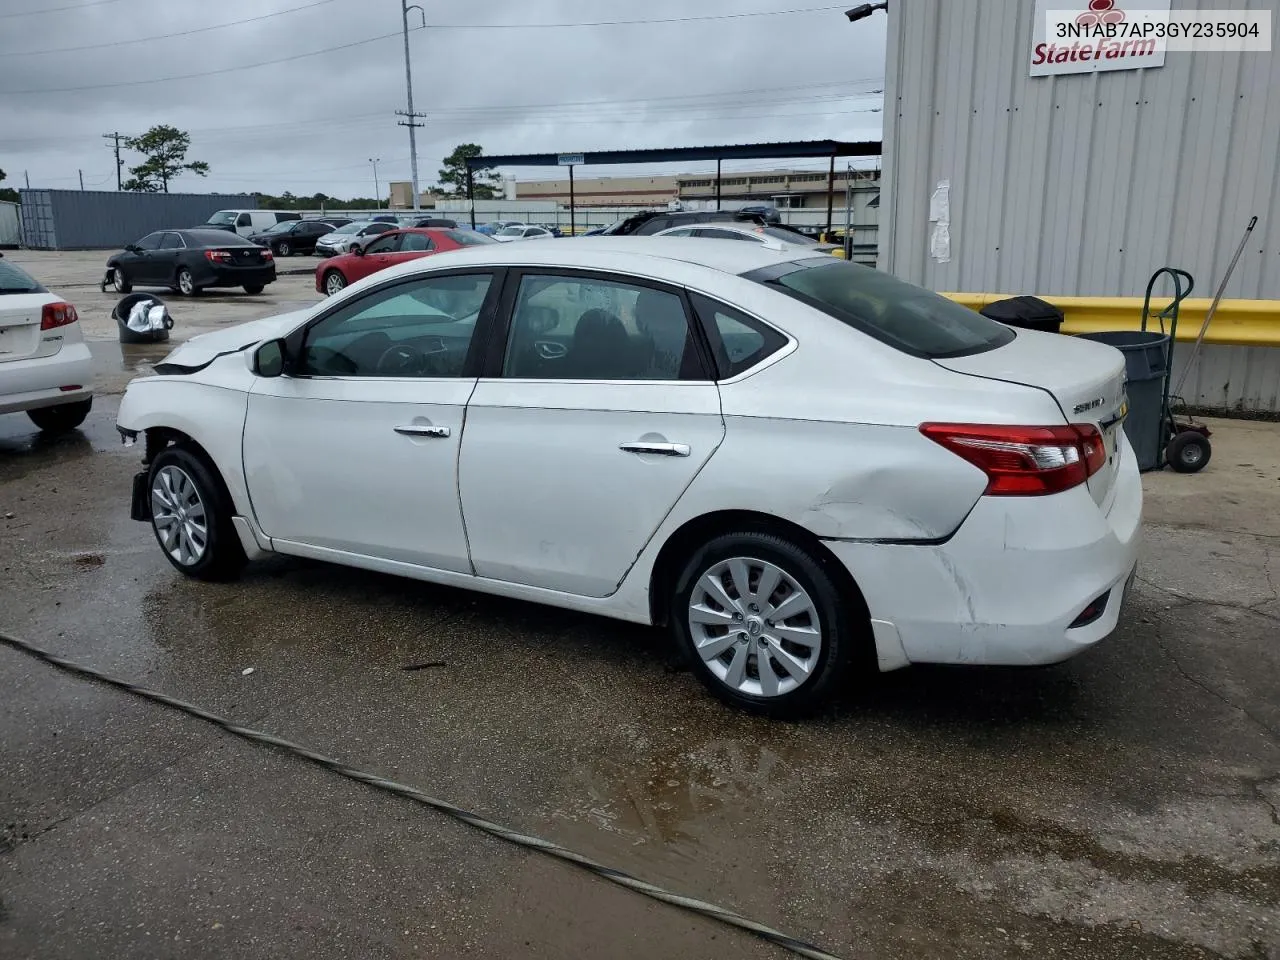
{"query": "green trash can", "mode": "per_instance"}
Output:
(1146, 359)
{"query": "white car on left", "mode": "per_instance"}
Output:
(45, 367)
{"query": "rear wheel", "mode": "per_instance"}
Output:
(191, 515)
(253, 288)
(63, 417)
(120, 280)
(282, 248)
(762, 623)
(334, 282)
(187, 283)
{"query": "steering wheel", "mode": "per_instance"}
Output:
(401, 360)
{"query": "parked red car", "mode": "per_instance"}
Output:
(394, 246)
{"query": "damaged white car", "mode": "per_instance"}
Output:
(799, 465)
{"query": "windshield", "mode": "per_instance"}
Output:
(354, 227)
(788, 236)
(906, 317)
(223, 218)
(13, 280)
(284, 226)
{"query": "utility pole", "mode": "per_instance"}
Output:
(116, 138)
(848, 211)
(81, 172)
(411, 118)
(377, 191)
(27, 177)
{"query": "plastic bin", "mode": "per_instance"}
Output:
(1146, 359)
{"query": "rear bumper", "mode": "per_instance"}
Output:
(219, 276)
(1007, 587)
(31, 384)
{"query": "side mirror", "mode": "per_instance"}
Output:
(132, 248)
(268, 359)
(357, 250)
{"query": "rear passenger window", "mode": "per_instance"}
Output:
(587, 328)
(415, 241)
(738, 342)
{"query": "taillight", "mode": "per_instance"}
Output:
(267, 255)
(217, 256)
(57, 315)
(1024, 461)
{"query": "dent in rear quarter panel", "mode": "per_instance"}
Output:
(211, 413)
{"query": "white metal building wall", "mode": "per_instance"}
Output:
(1079, 184)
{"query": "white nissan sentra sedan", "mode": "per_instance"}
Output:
(799, 465)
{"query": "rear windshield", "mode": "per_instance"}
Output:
(13, 280)
(468, 238)
(215, 238)
(906, 317)
(789, 236)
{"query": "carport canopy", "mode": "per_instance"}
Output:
(785, 150)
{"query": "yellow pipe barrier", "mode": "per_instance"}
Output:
(1245, 323)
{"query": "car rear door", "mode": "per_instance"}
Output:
(164, 262)
(596, 413)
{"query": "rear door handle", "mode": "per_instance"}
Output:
(422, 430)
(661, 449)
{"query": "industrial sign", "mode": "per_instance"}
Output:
(1098, 42)
(569, 159)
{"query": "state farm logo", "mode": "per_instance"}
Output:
(1101, 11)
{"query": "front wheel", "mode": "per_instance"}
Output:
(187, 283)
(762, 623)
(63, 417)
(191, 515)
(253, 288)
(120, 280)
(334, 283)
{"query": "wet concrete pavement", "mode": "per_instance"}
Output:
(1126, 803)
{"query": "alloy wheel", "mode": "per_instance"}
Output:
(178, 515)
(334, 283)
(755, 627)
(186, 283)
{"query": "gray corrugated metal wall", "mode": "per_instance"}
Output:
(1079, 184)
(9, 230)
(92, 219)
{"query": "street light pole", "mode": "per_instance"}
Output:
(410, 118)
(377, 191)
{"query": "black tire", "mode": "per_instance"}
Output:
(282, 248)
(838, 626)
(120, 280)
(1188, 452)
(63, 417)
(187, 287)
(254, 288)
(223, 557)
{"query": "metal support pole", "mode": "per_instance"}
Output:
(471, 195)
(377, 191)
(848, 212)
(411, 118)
(831, 193)
(81, 172)
(717, 183)
(572, 231)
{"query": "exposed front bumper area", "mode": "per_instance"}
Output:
(1007, 587)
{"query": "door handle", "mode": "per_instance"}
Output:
(661, 449)
(422, 430)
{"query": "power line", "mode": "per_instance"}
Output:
(204, 73)
(74, 6)
(164, 36)
(621, 23)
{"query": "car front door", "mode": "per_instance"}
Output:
(141, 265)
(596, 413)
(352, 454)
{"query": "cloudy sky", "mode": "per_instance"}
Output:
(299, 94)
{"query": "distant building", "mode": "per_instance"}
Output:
(784, 189)
(602, 191)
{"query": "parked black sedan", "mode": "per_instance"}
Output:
(190, 261)
(294, 236)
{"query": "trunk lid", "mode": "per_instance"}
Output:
(20, 337)
(1087, 380)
